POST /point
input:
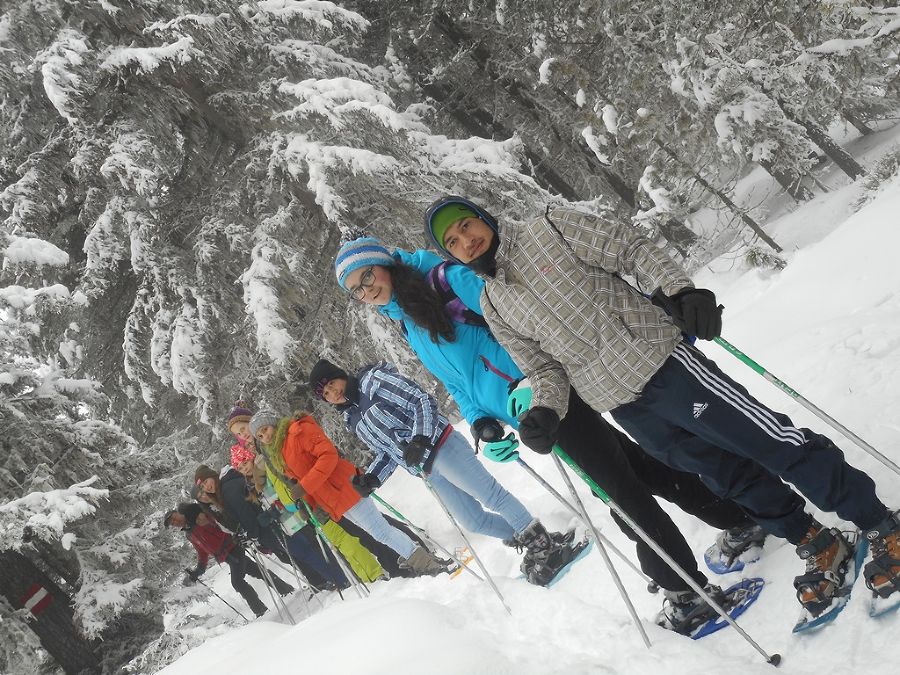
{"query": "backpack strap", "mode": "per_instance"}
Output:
(456, 308)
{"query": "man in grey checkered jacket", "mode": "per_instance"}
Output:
(556, 297)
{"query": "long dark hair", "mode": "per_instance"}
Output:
(421, 302)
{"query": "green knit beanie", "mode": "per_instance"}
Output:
(445, 216)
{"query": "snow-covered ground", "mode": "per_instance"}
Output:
(828, 325)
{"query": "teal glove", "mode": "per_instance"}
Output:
(504, 450)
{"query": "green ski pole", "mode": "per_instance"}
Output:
(818, 412)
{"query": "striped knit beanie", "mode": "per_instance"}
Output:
(361, 252)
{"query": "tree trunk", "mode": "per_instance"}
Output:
(817, 135)
(54, 623)
(725, 199)
(793, 184)
(857, 122)
(836, 153)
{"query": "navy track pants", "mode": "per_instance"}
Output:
(695, 418)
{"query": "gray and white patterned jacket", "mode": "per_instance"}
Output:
(560, 306)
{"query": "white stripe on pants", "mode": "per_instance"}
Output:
(365, 515)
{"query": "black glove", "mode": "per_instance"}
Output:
(415, 450)
(537, 429)
(693, 310)
(487, 429)
(192, 576)
(365, 484)
(268, 517)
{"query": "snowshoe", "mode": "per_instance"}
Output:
(882, 572)
(738, 598)
(824, 590)
(463, 557)
(735, 548)
(687, 613)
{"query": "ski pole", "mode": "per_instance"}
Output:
(302, 581)
(361, 589)
(274, 593)
(279, 606)
(652, 586)
(422, 533)
(609, 564)
(818, 412)
(487, 575)
(774, 659)
(223, 600)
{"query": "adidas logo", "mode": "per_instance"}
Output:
(699, 408)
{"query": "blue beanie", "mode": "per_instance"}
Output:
(358, 253)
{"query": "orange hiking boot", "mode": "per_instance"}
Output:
(882, 572)
(827, 553)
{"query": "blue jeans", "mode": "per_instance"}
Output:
(467, 490)
(365, 514)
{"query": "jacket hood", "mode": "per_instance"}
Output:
(230, 475)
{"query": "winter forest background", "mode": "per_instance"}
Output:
(175, 178)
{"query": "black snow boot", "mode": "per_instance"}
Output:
(282, 586)
(734, 542)
(566, 537)
(258, 606)
(544, 557)
(685, 611)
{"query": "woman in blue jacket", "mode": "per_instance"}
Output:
(438, 307)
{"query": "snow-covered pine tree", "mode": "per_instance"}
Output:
(195, 172)
(59, 458)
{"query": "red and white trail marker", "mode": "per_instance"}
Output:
(36, 599)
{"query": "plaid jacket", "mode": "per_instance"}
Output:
(560, 306)
(391, 410)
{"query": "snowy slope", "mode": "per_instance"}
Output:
(829, 325)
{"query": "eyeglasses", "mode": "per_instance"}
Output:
(366, 281)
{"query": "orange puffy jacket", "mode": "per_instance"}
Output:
(311, 458)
